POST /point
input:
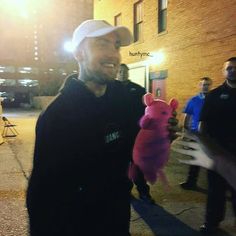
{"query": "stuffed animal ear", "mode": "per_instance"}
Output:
(173, 103)
(148, 99)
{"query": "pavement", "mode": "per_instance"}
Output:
(177, 212)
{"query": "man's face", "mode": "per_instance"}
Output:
(123, 74)
(229, 71)
(100, 58)
(205, 86)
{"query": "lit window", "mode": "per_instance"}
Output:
(8, 82)
(24, 72)
(28, 82)
(162, 15)
(138, 21)
(8, 69)
(27, 68)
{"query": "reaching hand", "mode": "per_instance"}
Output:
(189, 144)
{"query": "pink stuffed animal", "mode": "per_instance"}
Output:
(152, 144)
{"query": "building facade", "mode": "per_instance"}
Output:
(32, 44)
(175, 41)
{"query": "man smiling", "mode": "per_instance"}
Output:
(79, 183)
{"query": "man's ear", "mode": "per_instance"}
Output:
(200, 84)
(79, 55)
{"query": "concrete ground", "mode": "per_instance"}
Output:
(177, 212)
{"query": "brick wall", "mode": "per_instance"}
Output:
(200, 36)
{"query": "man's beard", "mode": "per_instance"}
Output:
(99, 78)
(231, 80)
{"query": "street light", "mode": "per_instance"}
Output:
(17, 6)
(16, 3)
(23, 8)
(157, 58)
(68, 47)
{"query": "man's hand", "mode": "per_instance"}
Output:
(189, 144)
(173, 126)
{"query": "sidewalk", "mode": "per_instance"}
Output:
(177, 213)
(13, 215)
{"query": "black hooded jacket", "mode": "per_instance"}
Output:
(83, 147)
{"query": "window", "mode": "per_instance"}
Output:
(162, 15)
(138, 21)
(117, 20)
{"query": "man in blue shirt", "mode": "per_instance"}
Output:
(192, 112)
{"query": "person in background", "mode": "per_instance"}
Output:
(217, 122)
(192, 112)
(136, 91)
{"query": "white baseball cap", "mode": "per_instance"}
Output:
(97, 28)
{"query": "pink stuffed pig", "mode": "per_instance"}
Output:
(152, 144)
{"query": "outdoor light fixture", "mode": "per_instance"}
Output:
(19, 7)
(1, 82)
(156, 58)
(68, 46)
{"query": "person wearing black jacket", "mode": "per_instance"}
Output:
(79, 183)
(217, 123)
(136, 91)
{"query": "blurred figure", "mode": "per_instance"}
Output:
(192, 112)
(137, 106)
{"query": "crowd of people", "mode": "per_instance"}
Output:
(82, 175)
(216, 151)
